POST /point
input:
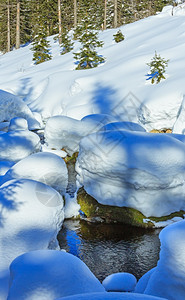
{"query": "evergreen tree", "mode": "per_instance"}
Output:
(88, 57)
(40, 47)
(157, 68)
(118, 37)
(66, 43)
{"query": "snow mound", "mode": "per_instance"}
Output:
(64, 132)
(97, 119)
(167, 279)
(16, 145)
(111, 296)
(18, 124)
(140, 170)
(4, 126)
(120, 282)
(179, 126)
(5, 166)
(49, 274)
(123, 126)
(12, 106)
(44, 167)
(31, 215)
(153, 118)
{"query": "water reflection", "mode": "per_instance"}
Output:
(110, 248)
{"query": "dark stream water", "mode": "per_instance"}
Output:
(111, 248)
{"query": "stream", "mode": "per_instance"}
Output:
(111, 248)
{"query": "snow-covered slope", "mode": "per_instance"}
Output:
(119, 86)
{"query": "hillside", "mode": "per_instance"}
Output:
(119, 86)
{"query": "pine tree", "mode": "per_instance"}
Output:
(118, 37)
(88, 57)
(157, 68)
(40, 47)
(66, 43)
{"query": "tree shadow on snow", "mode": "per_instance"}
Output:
(104, 98)
(8, 200)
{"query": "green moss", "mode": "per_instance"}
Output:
(112, 214)
(71, 159)
(180, 213)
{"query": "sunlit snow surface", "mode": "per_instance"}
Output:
(119, 86)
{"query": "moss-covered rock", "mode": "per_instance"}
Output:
(110, 214)
(115, 214)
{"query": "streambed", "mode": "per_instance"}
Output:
(111, 248)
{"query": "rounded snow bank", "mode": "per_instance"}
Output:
(43, 167)
(16, 145)
(18, 124)
(167, 279)
(123, 126)
(12, 106)
(5, 166)
(64, 132)
(50, 274)
(31, 215)
(138, 170)
(111, 296)
(97, 119)
(120, 282)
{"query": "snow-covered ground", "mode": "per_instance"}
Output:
(119, 86)
(115, 159)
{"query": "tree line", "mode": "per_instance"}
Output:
(22, 20)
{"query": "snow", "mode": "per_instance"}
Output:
(4, 126)
(120, 282)
(16, 145)
(5, 166)
(12, 106)
(103, 113)
(71, 208)
(133, 169)
(44, 167)
(18, 124)
(31, 215)
(117, 88)
(123, 126)
(60, 153)
(62, 132)
(167, 279)
(48, 274)
(107, 296)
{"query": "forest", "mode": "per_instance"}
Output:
(21, 21)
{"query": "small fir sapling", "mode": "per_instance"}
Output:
(118, 37)
(66, 43)
(157, 68)
(40, 47)
(87, 57)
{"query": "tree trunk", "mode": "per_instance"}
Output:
(59, 22)
(8, 26)
(105, 16)
(115, 13)
(18, 26)
(75, 13)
